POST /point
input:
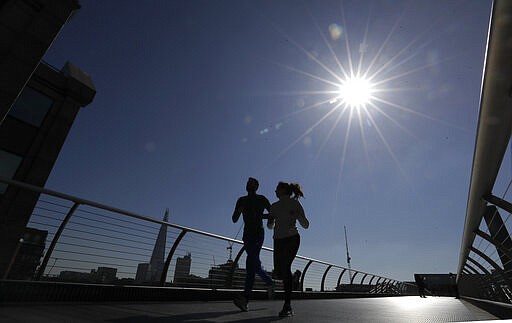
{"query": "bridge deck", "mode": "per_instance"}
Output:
(391, 309)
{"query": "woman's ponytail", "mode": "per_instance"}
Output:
(296, 190)
(292, 188)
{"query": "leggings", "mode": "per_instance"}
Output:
(253, 246)
(285, 250)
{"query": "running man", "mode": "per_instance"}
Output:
(251, 207)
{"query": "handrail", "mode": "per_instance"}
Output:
(494, 122)
(82, 201)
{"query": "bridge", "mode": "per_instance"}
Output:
(104, 263)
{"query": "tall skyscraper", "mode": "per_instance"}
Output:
(153, 271)
(182, 270)
(158, 256)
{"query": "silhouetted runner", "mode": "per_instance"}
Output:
(284, 214)
(420, 282)
(251, 207)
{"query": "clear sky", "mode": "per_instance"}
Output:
(193, 97)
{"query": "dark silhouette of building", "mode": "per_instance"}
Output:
(152, 271)
(99, 275)
(229, 275)
(38, 105)
(27, 29)
(439, 284)
(28, 257)
(142, 274)
(74, 276)
(104, 275)
(183, 277)
(182, 270)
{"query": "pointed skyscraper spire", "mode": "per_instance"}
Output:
(158, 255)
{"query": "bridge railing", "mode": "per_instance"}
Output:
(70, 239)
(485, 262)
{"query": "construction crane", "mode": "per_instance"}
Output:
(348, 256)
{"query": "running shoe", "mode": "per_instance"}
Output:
(286, 311)
(241, 302)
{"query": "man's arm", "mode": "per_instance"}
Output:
(236, 212)
(271, 220)
(267, 207)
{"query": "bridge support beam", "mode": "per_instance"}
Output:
(340, 276)
(323, 278)
(163, 277)
(499, 234)
(229, 283)
(56, 237)
(353, 276)
(304, 275)
(494, 264)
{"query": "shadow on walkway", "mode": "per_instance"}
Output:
(196, 317)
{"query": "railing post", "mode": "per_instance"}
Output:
(396, 289)
(494, 264)
(501, 203)
(165, 269)
(353, 276)
(233, 267)
(304, 275)
(323, 278)
(497, 244)
(48, 254)
(362, 279)
(370, 283)
(484, 286)
(341, 275)
(378, 280)
(482, 268)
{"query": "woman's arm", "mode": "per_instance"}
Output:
(301, 216)
(271, 219)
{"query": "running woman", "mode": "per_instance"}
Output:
(251, 207)
(282, 218)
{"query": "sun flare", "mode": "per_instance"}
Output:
(355, 92)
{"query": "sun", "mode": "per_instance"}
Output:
(355, 92)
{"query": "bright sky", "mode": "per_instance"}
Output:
(193, 97)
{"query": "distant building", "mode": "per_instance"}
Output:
(104, 275)
(440, 284)
(193, 281)
(152, 271)
(74, 276)
(143, 273)
(29, 254)
(182, 269)
(354, 288)
(38, 105)
(229, 275)
(98, 275)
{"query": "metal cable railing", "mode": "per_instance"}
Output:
(88, 242)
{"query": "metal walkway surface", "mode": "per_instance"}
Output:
(391, 309)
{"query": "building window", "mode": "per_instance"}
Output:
(8, 165)
(31, 107)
